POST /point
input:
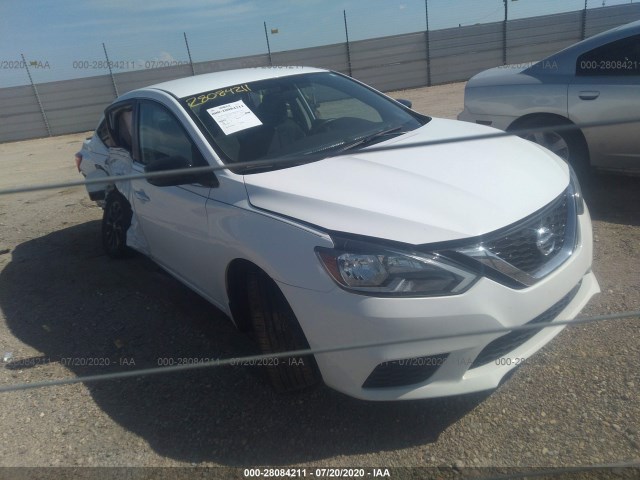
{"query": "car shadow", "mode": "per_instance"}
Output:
(80, 304)
(613, 198)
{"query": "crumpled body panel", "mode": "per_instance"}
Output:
(120, 163)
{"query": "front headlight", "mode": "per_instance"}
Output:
(576, 191)
(381, 272)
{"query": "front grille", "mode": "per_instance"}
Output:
(522, 254)
(500, 347)
(408, 371)
(519, 247)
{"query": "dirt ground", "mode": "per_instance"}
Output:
(62, 299)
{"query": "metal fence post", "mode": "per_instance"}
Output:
(113, 80)
(35, 92)
(346, 33)
(266, 35)
(504, 32)
(426, 34)
(584, 20)
(186, 42)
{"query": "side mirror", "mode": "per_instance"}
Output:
(405, 102)
(177, 163)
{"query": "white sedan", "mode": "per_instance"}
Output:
(321, 241)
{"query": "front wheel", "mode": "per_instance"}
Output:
(116, 220)
(553, 141)
(276, 329)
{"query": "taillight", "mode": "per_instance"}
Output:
(78, 160)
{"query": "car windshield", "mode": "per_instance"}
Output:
(297, 116)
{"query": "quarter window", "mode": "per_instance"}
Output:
(103, 133)
(119, 120)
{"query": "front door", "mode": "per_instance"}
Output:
(173, 218)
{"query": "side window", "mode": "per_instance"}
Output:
(118, 123)
(619, 58)
(103, 134)
(160, 135)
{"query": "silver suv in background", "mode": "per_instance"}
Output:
(596, 80)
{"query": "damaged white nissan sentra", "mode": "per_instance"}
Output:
(321, 241)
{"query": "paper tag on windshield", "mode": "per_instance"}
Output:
(234, 117)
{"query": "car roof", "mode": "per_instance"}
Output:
(616, 33)
(184, 87)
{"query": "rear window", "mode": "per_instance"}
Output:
(621, 57)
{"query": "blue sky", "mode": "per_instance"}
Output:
(65, 38)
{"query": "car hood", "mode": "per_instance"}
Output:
(418, 195)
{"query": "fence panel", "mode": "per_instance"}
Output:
(459, 53)
(531, 39)
(75, 105)
(231, 64)
(475, 38)
(20, 116)
(394, 77)
(601, 19)
(457, 68)
(332, 57)
(127, 81)
(387, 63)
(391, 63)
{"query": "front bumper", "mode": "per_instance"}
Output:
(339, 318)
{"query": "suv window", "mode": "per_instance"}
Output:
(161, 135)
(621, 57)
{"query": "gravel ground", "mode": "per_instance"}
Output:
(575, 403)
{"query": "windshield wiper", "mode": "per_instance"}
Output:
(286, 161)
(366, 140)
(316, 155)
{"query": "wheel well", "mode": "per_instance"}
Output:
(539, 118)
(108, 192)
(550, 119)
(544, 119)
(237, 272)
(111, 189)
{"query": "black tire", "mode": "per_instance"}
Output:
(567, 144)
(276, 329)
(116, 220)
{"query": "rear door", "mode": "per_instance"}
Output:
(606, 88)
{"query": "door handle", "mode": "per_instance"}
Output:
(141, 195)
(592, 95)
